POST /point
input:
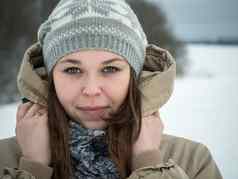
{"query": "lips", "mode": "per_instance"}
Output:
(92, 108)
(94, 113)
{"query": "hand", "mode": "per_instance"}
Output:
(32, 132)
(150, 135)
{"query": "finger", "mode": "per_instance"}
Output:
(147, 114)
(41, 117)
(156, 113)
(41, 111)
(22, 109)
(150, 117)
(155, 124)
(159, 117)
(159, 122)
(33, 110)
(44, 116)
(155, 121)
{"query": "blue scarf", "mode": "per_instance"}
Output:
(89, 154)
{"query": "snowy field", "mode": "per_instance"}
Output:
(203, 107)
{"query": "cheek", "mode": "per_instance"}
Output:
(117, 90)
(64, 91)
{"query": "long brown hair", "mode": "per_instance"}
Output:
(123, 129)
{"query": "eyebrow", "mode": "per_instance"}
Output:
(78, 62)
(111, 60)
(69, 60)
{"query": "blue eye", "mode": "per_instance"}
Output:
(110, 69)
(72, 70)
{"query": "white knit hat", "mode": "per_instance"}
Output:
(109, 25)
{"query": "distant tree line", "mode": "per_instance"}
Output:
(21, 19)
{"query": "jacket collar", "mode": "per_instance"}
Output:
(156, 82)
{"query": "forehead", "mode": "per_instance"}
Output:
(95, 56)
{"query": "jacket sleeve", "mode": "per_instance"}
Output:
(149, 166)
(205, 166)
(27, 170)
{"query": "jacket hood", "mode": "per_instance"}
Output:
(156, 82)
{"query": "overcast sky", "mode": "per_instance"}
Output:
(196, 19)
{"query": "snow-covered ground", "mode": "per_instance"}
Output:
(203, 106)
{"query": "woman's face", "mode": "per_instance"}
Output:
(90, 84)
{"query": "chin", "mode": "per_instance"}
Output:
(94, 125)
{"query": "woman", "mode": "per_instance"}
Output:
(95, 87)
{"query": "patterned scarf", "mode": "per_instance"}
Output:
(89, 154)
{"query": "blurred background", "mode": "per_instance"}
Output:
(203, 37)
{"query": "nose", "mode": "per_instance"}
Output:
(92, 87)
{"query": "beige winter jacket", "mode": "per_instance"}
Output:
(177, 158)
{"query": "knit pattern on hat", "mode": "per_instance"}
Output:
(109, 25)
